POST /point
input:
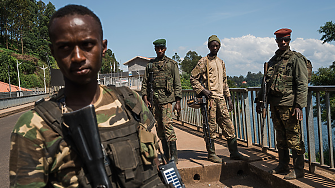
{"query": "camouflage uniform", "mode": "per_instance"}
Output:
(218, 112)
(167, 88)
(40, 157)
(288, 87)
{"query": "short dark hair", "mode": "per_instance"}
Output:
(72, 10)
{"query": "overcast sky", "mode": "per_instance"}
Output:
(245, 28)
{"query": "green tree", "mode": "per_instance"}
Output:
(253, 79)
(185, 81)
(326, 76)
(176, 57)
(328, 31)
(109, 63)
(190, 61)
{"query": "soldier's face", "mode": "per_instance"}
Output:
(160, 51)
(214, 47)
(283, 43)
(77, 46)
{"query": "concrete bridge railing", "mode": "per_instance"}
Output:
(318, 135)
(16, 101)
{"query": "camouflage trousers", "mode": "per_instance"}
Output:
(288, 130)
(163, 116)
(218, 113)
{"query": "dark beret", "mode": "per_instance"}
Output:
(283, 33)
(160, 42)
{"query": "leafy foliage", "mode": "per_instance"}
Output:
(325, 76)
(190, 61)
(24, 37)
(328, 31)
(185, 81)
(109, 63)
(176, 57)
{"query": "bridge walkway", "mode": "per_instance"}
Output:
(196, 171)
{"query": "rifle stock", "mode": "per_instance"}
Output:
(264, 105)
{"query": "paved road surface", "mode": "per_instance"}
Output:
(6, 127)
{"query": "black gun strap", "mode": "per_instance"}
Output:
(51, 114)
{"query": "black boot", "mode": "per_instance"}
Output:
(234, 154)
(211, 153)
(298, 170)
(166, 150)
(284, 160)
(174, 151)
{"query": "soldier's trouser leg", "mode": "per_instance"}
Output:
(288, 130)
(212, 127)
(288, 135)
(163, 116)
(228, 131)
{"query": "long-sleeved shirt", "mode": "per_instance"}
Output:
(217, 77)
(166, 80)
(287, 79)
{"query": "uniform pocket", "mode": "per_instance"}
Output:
(160, 81)
(283, 84)
(124, 157)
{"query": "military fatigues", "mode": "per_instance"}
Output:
(167, 88)
(218, 112)
(288, 87)
(40, 157)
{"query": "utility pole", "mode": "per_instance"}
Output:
(10, 88)
(45, 86)
(110, 64)
(48, 62)
(18, 75)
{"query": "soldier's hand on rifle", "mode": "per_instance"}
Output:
(145, 99)
(207, 93)
(230, 104)
(297, 111)
(177, 106)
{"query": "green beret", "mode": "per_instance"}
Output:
(214, 38)
(160, 42)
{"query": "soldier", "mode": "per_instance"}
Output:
(166, 89)
(40, 156)
(287, 95)
(211, 71)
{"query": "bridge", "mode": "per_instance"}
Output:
(196, 171)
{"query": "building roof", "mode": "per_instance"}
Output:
(4, 87)
(145, 58)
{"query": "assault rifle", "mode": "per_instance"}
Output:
(84, 135)
(205, 126)
(264, 104)
(150, 93)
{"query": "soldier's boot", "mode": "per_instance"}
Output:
(298, 164)
(166, 150)
(284, 159)
(174, 151)
(211, 153)
(234, 154)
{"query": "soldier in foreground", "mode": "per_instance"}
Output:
(209, 78)
(166, 90)
(287, 80)
(41, 156)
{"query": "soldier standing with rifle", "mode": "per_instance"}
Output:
(211, 70)
(166, 89)
(57, 144)
(287, 82)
